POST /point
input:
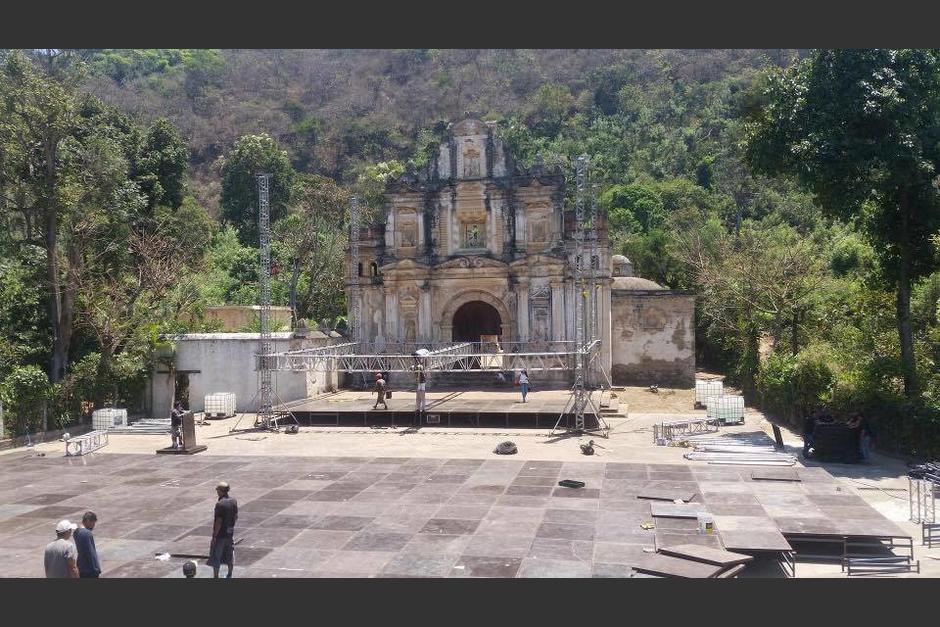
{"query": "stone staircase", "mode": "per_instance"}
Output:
(147, 426)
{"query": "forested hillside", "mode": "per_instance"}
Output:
(792, 191)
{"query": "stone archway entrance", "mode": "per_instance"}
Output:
(473, 319)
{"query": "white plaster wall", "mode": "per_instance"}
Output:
(226, 363)
(640, 352)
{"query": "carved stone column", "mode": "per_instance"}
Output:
(522, 310)
(558, 311)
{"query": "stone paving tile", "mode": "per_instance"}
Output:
(343, 523)
(159, 532)
(619, 552)
(576, 493)
(417, 565)
(555, 549)
(517, 545)
(257, 537)
(529, 490)
(289, 521)
(466, 512)
(355, 562)
(472, 566)
(286, 495)
(565, 531)
(433, 544)
(331, 495)
(539, 502)
(367, 540)
(494, 526)
(296, 559)
(534, 481)
(474, 498)
(450, 526)
(553, 568)
(138, 569)
(611, 571)
(329, 539)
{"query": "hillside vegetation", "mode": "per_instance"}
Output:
(776, 210)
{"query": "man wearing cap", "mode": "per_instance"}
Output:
(60, 555)
(222, 547)
(88, 566)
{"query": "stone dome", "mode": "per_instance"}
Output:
(621, 266)
(635, 283)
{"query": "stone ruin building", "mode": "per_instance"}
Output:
(475, 245)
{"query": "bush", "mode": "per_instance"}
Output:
(25, 391)
(790, 386)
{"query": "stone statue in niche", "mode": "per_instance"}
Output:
(410, 331)
(540, 229)
(409, 235)
(471, 162)
(540, 326)
(473, 236)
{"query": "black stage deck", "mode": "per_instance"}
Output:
(458, 408)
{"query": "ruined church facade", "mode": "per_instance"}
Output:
(475, 245)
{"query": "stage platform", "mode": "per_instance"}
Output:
(445, 408)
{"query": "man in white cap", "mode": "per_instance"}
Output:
(61, 555)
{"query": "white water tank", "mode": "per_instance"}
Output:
(108, 417)
(219, 405)
(706, 389)
(726, 409)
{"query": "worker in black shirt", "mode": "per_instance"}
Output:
(176, 425)
(222, 547)
(809, 426)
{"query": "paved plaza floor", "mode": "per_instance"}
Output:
(399, 502)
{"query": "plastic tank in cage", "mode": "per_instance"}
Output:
(108, 417)
(219, 405)
(726, 409)
(706, 389)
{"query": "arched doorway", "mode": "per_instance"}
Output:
(473, 319)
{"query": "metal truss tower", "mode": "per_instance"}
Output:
(585, 323)
(265, 386)
(266, 417)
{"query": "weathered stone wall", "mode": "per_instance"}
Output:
(653, 338)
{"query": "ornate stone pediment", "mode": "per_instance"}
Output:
(540, 261)
(403, 265)
(471, 262)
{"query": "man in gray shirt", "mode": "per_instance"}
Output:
(60, 555)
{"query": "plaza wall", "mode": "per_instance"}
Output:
(225, 362)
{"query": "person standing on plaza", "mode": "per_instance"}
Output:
(524, 383)
(88, 565)
(222, 547)
(60, 554)
(379, 390)
(421, 403)
(176, 425)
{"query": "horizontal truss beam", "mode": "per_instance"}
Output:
(451, 357)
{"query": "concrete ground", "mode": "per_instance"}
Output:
(127, 469)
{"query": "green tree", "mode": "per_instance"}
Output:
(861, 128)
(312, 238)
(161, 165)
(38, 116)
(252, 155)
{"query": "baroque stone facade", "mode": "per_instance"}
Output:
(474, 245)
